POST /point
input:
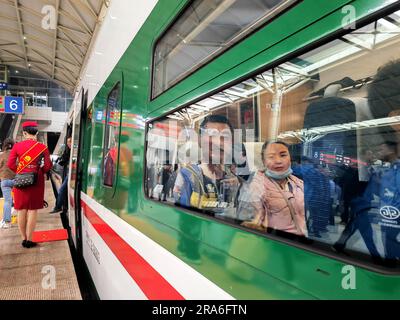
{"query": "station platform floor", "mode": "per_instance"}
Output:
(28, 274)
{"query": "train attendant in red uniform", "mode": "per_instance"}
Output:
(26, 161)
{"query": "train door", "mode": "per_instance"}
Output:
(65, 175)
(86, 146)
(115, 196)
(76, 171)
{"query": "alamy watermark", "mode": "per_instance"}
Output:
(49, 21)
(349, 18)
(210, 146)
(49, 279)
(349, 280)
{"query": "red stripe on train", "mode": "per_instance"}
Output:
(153, 285)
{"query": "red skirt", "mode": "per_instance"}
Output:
(30, 198)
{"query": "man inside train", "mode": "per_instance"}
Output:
(384, 99)
(210, 184)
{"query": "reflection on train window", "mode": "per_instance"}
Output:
(308, 148)
(203, 31)
(74, 150)
(111, 137)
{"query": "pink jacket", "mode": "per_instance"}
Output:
(271, 208)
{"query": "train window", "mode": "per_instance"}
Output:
(111, 136)
(308, 148)
(205, 29)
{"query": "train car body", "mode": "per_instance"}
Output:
(138, 244)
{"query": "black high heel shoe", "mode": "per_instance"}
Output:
(23, 243)
(30, 244)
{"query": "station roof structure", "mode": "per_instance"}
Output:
(50, 37)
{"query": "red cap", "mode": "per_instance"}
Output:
(29, 124)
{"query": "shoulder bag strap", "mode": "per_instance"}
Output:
(200, 180)
(30, 155)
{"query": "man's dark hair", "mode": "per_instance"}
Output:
(216, 118)
(267, 143)
(31, 130)
(66, 142)
(384, 91)
(8, 144)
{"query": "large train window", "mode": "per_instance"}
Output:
(308, 149)
(205, 29)
(111, 136)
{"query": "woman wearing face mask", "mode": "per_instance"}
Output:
(277, 195)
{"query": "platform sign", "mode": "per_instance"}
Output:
(3, 85)
(14, 105)
(1, 104)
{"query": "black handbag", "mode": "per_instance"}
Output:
(24, 180)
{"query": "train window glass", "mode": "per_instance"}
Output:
(309, 148)
(205, 29)
(112, 124)
(75, 147)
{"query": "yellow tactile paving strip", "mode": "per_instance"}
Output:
(42, 273)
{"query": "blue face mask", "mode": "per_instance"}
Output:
(278, 175)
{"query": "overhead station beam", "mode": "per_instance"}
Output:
(87, 27)
(21, 30)
(67, 46)
(55, 40)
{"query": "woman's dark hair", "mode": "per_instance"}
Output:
(31, 130)
(267, 143)
(8, 144)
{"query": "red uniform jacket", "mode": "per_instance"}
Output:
(30, 198)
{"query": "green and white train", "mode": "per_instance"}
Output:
(304, 72)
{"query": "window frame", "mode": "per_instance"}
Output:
(357, 259)
(107, 133)
(211, 57)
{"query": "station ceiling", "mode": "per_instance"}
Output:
(49, 37)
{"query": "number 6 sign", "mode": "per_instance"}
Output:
(14, 105)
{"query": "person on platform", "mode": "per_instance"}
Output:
(7, 183)
(62, 192)
(26, 158)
